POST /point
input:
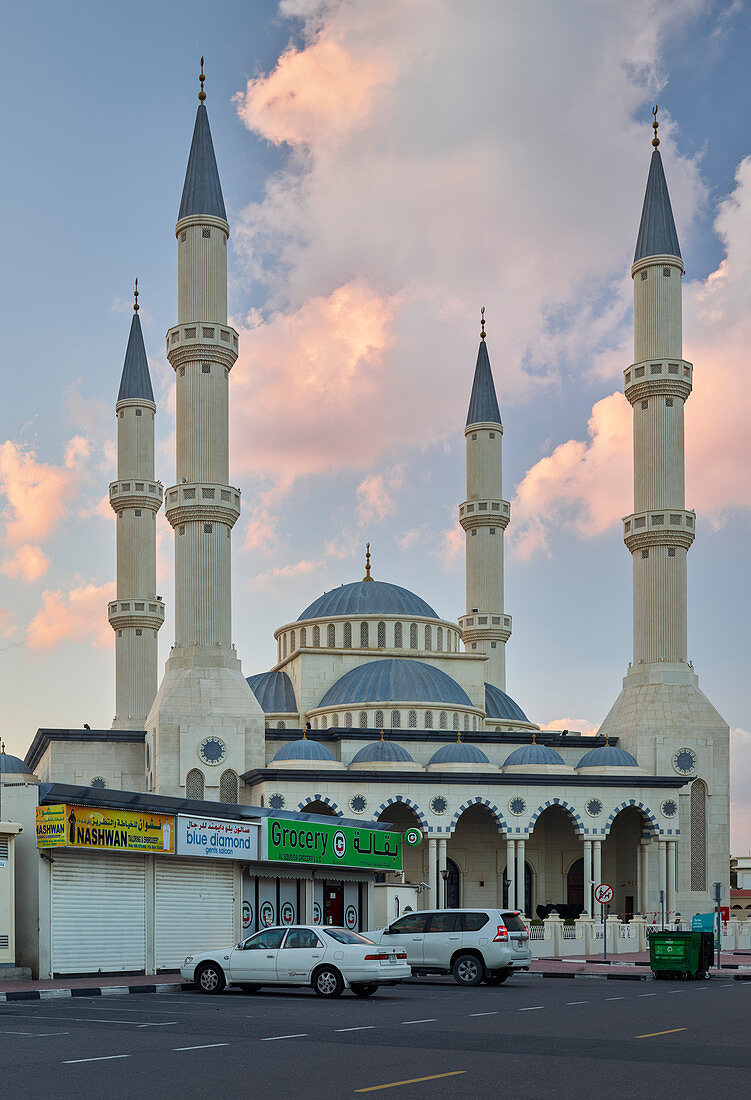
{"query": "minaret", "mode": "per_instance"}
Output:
(484, 515)
(137, 613)
(206, 720)
(661, 716)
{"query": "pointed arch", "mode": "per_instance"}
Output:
(498, 817)
(572, 812)
(319, 798)
(651, 827)
(407, 802)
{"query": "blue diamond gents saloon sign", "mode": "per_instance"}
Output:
(330, 845)
(205, 836)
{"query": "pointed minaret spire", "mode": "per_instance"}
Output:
(135, 381)
(483, 404)
(657, 234)
(202, 191)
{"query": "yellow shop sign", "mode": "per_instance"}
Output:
(104, 829)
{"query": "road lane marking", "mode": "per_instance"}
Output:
(651, 1034)
(483, 1013)
(615, 998)
(647, 994)
(203, 1046)
(432, 1021)
(102, 1058)
(365, 1027)
(64, 1017)
(676, 991)
(412, 1081)
(167, 1023)
(577, 1002)
(533, 1008)
(271, 1038)
(35, 1034)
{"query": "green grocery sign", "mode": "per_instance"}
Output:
(331, 845)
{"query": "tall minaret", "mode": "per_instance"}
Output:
(661, 716)
(137, 613)
(205, 721)
(484, 515)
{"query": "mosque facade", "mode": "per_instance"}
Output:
(377, 706)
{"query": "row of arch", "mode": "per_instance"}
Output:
(396, 719)
(340, 635)
(229, 785)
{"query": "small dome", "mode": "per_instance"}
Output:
(274, 692)
(459, 752)
(304, 749)
(500, 705)
(397, 680)
(368, 598)
(13, 765)
(382, 752)
(530, 755)
(607, 756)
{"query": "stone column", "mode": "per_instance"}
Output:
(670, 879)
(432, 871)
(662, 875)
(511, 872)
(441, 869)
(520, 898)
(644, 876)
(597, 861)
(588, 877)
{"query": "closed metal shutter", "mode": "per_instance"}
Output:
(98, 913)
(194, 908)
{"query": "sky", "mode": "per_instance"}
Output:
(388, 168)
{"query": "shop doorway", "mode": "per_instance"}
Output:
(333, 903)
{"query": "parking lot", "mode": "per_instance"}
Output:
(540, 1035)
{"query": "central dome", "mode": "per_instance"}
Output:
(396, 680)
(368, 598)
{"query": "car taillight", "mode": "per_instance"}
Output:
(381, 956)
(501, 934)
(401, 954)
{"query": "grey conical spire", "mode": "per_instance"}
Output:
(483, 404)
(202, 191)
(657, 235)
(135, 381)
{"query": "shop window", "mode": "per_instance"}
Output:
(194, 783)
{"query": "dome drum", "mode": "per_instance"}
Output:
(396, 715)
(381, 631)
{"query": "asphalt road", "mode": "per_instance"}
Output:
(532, 1036)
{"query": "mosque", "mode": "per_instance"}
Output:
(378, 706)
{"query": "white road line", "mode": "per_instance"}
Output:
(365, 1027)
(577, 1002)
(102, 1058)
(675, 991)
(271, 1038)
(36, 1034)
(203, 1046)
(167, 1023)
(63, 1017)
(431, 1021)
(615, 998)
(647, 994)
(483, 1013)
(534, 1008)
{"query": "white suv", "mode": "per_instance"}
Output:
(474, 945)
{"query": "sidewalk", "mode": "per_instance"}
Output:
(92, 986)
(631, 967)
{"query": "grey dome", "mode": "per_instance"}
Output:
(304, 749)
(368, 598)
(398, 679)
(608, 756)
(500, 705)
(459, 752)
(382, 752)
(533, 754)
(274, 692)
(13, 765)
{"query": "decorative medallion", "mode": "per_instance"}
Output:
(98, 781)
(594, 807)
(684, 761)
(212, 751)
(669, 807)
(276, 801)
(517, 806)
(438, 805)
(358, 804)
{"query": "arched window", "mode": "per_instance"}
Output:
(466, 721)
(363, 635)
(412, 719)
(334, 721)
(331, 635)
(363, 720)
(348, 635)
(428, 719)
(698, 835)
(428, 638)
(396, 719)
(315, 723)
(397, 635)
(281, 726)
(194, 785)
(284, 645)
(348, 720)
(381, 635)
(443, 721)
(439, 639)
(455, 724)
(316, 637)
(303, 637)
(413, 635)
(323, 722)
(474, 721)
(379, 719)
(229, 787)
(292, 642)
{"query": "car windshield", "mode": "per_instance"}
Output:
(343, 935)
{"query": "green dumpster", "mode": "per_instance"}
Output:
(683, 955)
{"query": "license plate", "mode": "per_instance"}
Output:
(393, 960)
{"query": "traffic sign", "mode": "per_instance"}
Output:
(604, 894)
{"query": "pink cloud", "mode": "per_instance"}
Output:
(449, 548)
(7, 622)
(261, 531)
(79, 615)
(29, 563)
(375, 496)
(270, 580)
(37, 493)
(576, 725)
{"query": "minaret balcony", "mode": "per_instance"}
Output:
(202, 502)
(484, 513)
(658, 377)
(142, 614)
(202, 340)
(485, 627)
(136, 494)
(659, 527)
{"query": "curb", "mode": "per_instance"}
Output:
(92, 991)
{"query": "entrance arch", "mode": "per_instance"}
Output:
(620, 858)
(476, 847)
(555, 846)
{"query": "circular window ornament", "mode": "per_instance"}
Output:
(684, 761)
(594, 807)
(350, 917)
(358, 804)
(517, 806)
(669, 807)
(288, 913)
(276, 801)
(212, 751)
(98, 781)
(439, 805)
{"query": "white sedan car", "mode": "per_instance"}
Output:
(330, 959)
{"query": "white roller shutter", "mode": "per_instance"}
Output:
(98, 912)
(194, 908)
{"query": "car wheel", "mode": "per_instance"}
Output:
(497, 977)
(249, 987)
(366, 990)
(467, 970)
(210, 978)
(327, 982)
